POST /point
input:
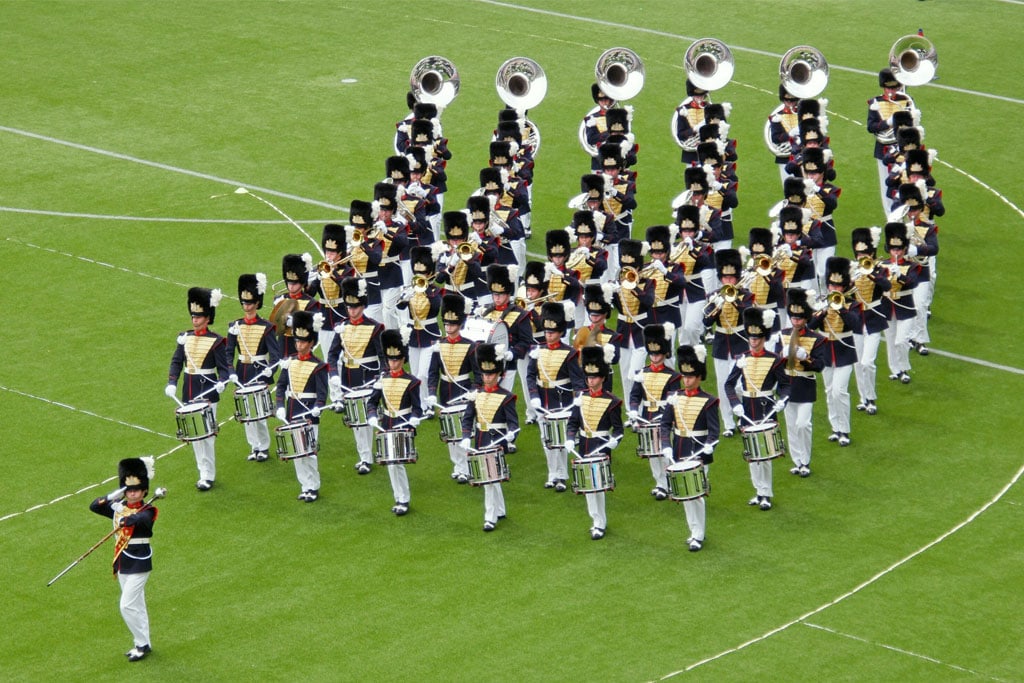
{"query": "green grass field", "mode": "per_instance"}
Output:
(119, 120)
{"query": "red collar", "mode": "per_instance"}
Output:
(454, 340)
(757, 354)
(657, 368)
(304, 357)
(201, 333)
(397, 374)
(501, 308)
(691, 392)
(596, 394)
(554, 346)
(356, 321)
(295, 296)
(491, 390)
(250, 321)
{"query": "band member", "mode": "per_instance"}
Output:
(592, 188)
(666, 277)
(687, 119)
(394, 234)
(328, 280)
(133, 519)
(690, 423)
(822, 200)
(766, 279)
(838, 323)
(367, 250)
(759, 375)
(395, 404)
(296, 271)
(717, 116)
(796, 255)
(722, 188)
(421, 302)
(805, 356)
(421, 201)
(302, 389)
(502, 216)
(492, 421)
(723, 314)
(588, 262)
(696, 259)
(201, 355)
(595, 426)
(649, 392)
(698, 185)
(520, 331)
(597, 304)
(870, 282)
(355, 359)
(534, 293)
(553, 377)
(783, 129)
(563, 284)
(460, 272)
(917, 166)
(486, 242)
(633, 300)
(903, 278)
(923, 248)
(619, 189)
(259, 352)
(595, 124)
(880, 122)
(450, 377)
(436, 153)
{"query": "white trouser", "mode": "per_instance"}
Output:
(133, 606)
(631, 361)
(206, 455)
(419, 365)
(722, 370)
(258, 435)
(399, 483)
(521, 366)
(837, 396)
(389, 298)
(307, 470)
(761, 477)
(458, 457)
(820, 256)
(721, 244)
(494, 503)
(865, 369)
(611, 274)
(375, 312)
(435, 219)
(519, 251)
(324, 340)
(596, 510)
(658, 466)
(508, 379)
(697, 515)
(883, 175)
(692, 330)
(364, 443)
(922, 301)
(799, 431)
(897, 345)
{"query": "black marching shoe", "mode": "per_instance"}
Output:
(596, 534)
(560, 486)
(695, 545)
(138, 652)
(400, 509)
(834, 436)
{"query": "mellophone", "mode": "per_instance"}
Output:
(195, 421)
(762, 442)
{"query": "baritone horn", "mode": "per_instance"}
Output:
(913, 60)
(620, 73)
(709, 64)
(434, 80)
(522, 85)
(803, 71)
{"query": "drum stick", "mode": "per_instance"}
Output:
(178, 401)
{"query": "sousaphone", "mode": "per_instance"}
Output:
(709, 65)
(620, 75)
(522, 85)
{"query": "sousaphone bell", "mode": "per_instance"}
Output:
(913, 60)
(434, 80)
(803, 71)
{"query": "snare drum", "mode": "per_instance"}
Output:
(451, 423)
(295, 440)
(354, 407)
(196, 421)
(486, 331)
(592, 475)
(552, 427)
(487, 466)
(648, 441)
(253, 403)
(762, 442)
(395, 447)
(687, 480)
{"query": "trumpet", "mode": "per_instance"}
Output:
(467, 250)
(629, 277)
(419, 285)
(522, 302)
(867, 265)
(727, 294)
(836, 300)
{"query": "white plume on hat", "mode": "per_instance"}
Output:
(308, 260)
(608, 292)
(150, 464)
(609, 353)
(406, 333)
(769, 318)
(361, 288)
(438, 249)
(215, 296)
(876, 234)
(702, 353)
(261, 283)
(669, 329)
(513, 273)
(318, 321)
(744, 253)
(570, 309)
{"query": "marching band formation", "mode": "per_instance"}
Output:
(415, 312)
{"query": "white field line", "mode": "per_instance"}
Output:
(154, 219)
(856, 589)
(901, 651)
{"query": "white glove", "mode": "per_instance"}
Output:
(181, 339)
(659, 266)
(114, 496)
(373, 422)
(667, 452)
(464, 444)
(535, 403)
(633, 415)
(335, 382)
(801, 353)
(780, 405)
(171, 390)
(219, 387)
(717, 300)
(707, 450)
(613, 442)
(414, 422)
(315, 412)
(233, 378)
(281, 415)
(497, 230)
(431, 402)
(737, 410)
(688, 243)
(784, 250)
(912, 251)
(267, 372)
(550, 268)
